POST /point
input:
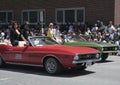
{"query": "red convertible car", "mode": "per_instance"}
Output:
(45, 52)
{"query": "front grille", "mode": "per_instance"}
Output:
(109, 49)
(88, 56)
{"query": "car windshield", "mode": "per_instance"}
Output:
(75, 38)
(40, 41)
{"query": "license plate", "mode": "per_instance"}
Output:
(88, 64)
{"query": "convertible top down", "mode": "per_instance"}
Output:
(43, 51)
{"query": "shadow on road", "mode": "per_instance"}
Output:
(74, 73)
(41, 71)
(106, 61)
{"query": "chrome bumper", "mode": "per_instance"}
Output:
(85, 61)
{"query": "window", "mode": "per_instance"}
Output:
(9, 16)
(70, 15)
(60, 16)
(25, 16)
(3, 17)
(6, 17)
(33, 16)
(80, 14)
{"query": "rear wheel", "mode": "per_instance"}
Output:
(52, 66)
(104, 56)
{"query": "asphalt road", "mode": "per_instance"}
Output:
(102, 73)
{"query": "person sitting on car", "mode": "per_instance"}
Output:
(15, 34)
(50, 31)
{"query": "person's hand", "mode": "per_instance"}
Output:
(26, 41)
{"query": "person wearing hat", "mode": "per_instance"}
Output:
(25, 30)
(50, 31)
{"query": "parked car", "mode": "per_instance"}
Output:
(104, 48)
(45, 52)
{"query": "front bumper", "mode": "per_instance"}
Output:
(85, 61)
(109, 51)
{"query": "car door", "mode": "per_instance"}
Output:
(25, 55)
(32, 55)
(15, 54)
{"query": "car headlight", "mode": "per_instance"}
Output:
(97, 56)
(102, 49)
(116, 48)
(76, 57)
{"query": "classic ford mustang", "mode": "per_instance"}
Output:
(104, 48)
(45, 52)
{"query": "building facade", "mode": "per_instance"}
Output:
(59, 11)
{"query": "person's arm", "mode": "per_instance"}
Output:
(23, 38)
(21, 35)
(18, 32)
(31, 33)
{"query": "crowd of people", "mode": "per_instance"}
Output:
(99, 32)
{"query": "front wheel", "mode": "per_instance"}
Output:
(52, 66)
(1, 61)
(104, 56)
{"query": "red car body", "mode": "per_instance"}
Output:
(37, 54)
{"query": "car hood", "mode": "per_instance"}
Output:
(68, 49)
(90, 44)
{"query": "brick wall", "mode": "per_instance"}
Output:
(117, 12)
(94, 9)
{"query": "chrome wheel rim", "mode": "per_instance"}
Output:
(51, 65)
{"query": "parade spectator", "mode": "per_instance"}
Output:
(88, 32)
(111, 36)
(101, 27)
(98, 23)
(71, 29)
(38, 26)
(39, 29)
(66, 27)
(58, 34)
(2, 36)
(42, 32)
(111, 27)
(95, 28)
(97, 32)
(82, 28)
